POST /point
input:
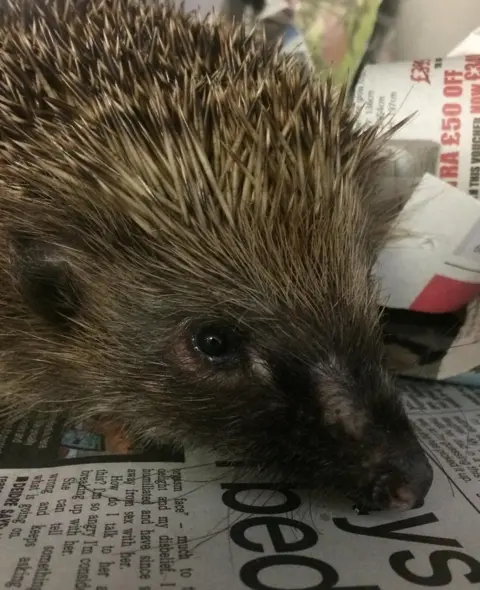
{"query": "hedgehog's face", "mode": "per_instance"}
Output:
(309, 398)
(268, 393)
(298, 389)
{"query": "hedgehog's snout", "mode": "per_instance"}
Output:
(401, 483)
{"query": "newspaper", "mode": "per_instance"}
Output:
(445, 94)
(81, 509)
(436, 270)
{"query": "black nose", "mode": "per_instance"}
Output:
(402, 483)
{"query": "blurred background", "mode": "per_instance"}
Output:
(345, 34)
(426, 26)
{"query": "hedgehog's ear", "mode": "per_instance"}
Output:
(45, 278)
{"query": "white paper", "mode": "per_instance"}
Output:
(443, 248)
(470, 45)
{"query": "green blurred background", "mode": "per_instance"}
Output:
(337, 33)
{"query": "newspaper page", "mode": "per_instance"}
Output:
(444, 95)
(80, 509)
(436, 270)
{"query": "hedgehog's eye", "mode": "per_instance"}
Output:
(216, 342)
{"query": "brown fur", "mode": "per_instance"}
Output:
(157, 172)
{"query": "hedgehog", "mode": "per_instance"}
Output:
(188, 229)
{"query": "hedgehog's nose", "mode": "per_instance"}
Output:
(401, 484)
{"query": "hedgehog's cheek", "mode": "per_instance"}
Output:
(45, 280)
